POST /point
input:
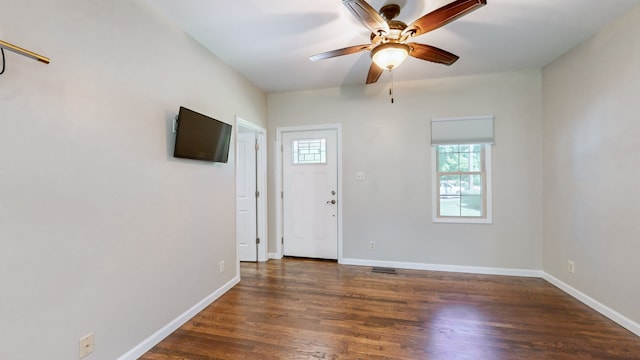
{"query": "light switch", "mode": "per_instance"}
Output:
(360, 176)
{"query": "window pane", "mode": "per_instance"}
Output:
(475, 161)
(448, 162)
(455, 158)
(475, 148)
(449, 206)
(471, 205)
(449, 148)
(311, 151)
(464, 162)
(450, 185)
(471, 184)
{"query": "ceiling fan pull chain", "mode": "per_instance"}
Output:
(391, 88)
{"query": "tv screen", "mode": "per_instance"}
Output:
(201, 137)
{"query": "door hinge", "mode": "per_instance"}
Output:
(257, 241)
(282, 240)
(257, 193)
(257, 146)
(281, 194)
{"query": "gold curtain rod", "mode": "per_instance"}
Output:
(25, 52)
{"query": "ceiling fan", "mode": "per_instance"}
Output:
(390, 39)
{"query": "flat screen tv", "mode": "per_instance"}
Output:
(201, 137)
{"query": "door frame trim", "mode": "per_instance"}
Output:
(261, 175)
(278, 186)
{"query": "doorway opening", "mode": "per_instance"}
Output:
(251, 196)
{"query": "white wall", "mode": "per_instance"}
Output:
(591, 166)
(391, 144)
(101, 229)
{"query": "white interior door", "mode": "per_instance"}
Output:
(246, 217)
(310, 186)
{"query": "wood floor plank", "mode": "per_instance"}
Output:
(315, 309)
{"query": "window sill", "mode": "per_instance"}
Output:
(463, 220)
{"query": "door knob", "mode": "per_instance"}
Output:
(331, 202)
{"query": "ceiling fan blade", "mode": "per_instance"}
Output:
(442, 16)
(367, 15)
(374, 73)
(432, 53)
(340, 52)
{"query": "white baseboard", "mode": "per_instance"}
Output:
(154, 339)
(275, 256)
(623, 321)
(449, 268)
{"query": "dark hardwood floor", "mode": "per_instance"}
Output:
(311, 309)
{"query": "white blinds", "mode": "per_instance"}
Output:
(463, 130)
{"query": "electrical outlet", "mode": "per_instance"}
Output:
(360, 176)
(221, 266)
(372, 245)
(571, 266)
(86, 345)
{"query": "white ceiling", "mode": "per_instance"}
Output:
(269, 42)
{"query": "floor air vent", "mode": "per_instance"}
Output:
(383, 270)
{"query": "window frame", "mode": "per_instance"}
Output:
(487, 193)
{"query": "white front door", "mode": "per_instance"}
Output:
(310, 186)
(246, 229)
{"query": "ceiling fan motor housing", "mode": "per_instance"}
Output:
(390, 11)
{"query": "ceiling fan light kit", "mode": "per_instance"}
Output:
(390, 55)
(390, 44)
